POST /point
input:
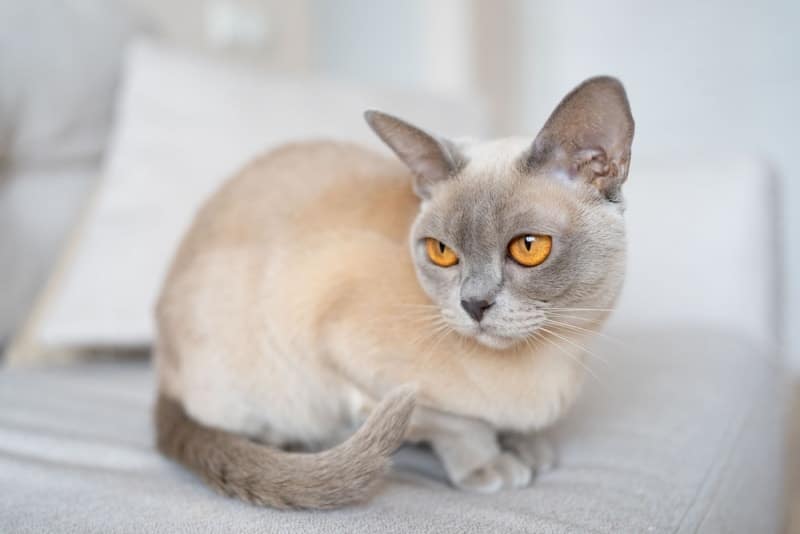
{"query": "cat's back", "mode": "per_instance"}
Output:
(288, 195)
(298, 185)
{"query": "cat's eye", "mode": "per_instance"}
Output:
(530, 250)
(439, 253)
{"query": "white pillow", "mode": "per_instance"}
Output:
(703, 249)
(186, 123)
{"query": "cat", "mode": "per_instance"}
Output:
(442, 297)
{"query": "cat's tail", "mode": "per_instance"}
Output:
(266, 476)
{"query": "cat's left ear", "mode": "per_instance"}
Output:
(431, 158)
(588, 137)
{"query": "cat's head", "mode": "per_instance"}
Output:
(514, 233)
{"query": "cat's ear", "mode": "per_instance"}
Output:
(430, 158)
(588, 137)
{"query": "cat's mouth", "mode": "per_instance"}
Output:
(492, 335)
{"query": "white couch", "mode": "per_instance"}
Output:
(682, 430)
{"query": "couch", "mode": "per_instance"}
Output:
(681, 432)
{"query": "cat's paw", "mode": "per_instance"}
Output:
(504, 471)
(534, 450)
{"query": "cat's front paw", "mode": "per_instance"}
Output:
(504, 471)
(534, 450)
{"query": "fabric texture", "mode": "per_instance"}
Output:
(682, 431)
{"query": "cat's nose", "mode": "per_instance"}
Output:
(476, 308)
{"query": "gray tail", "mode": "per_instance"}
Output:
(236, 466)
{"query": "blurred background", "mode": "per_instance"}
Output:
(711, 79)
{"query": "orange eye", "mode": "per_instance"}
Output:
(439, 253)
(530, 250)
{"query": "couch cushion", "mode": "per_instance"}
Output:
(682, 431)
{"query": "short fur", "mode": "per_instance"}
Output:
(261, 475)
(302, 296)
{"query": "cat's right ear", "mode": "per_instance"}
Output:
(430, 158)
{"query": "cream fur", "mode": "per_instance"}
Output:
(292, 307)
(290, 294)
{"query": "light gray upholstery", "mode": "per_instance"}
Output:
(681, 431)
(59, 69)
(37, 210)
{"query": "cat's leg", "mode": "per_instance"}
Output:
(534, 449)
(470, 451)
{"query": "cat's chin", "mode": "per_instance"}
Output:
(494, 342)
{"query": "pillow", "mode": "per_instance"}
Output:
(185, 124)
(703, 246)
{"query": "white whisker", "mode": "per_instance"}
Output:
(576, 317)
(585, 330)
(576, 345)
(547, 308)
(576, 359)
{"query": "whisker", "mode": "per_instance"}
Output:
(429, 334)
(576, 345)
(577, 328)
(441, 333)
(444, 333)
(578, 309)
(571, 356)
(529, 341)
(408, 318)
(416, 305)
(576, 317)
(571, 326)
(416, 320)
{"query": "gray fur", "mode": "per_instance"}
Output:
(431, 158)
(588, 137)
(576, 164)
(238, 467)
(479, 223)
